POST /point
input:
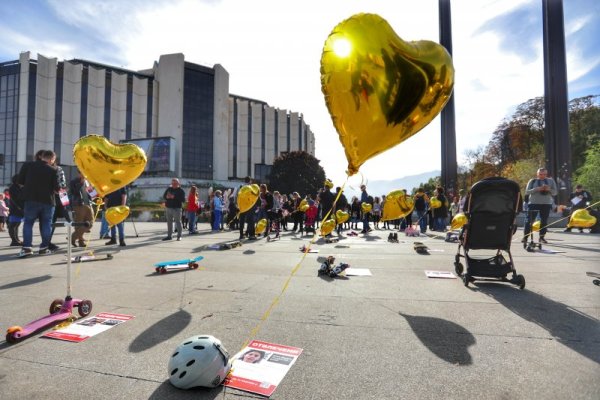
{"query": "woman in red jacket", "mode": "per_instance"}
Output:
(192, 208)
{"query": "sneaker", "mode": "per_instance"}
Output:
(524, 240)
(542, 240)
(390, 237)
(178, 238)
(252, 238)
(25, 252)
(122, 243)
(45, 251)
(52, 247)
(111, 242)
(167, 238)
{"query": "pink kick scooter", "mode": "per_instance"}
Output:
(60, 310)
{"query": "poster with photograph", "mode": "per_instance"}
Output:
(440, 274)
(84, 329)
(261, 366)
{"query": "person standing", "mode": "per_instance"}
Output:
(192, 209)
(115, 199)
(440, 214)
(580, 199)
(15, 207)
(174, 197)
(365, 199)
(40, 184)
(247, 217)
(342, 204)
(540, 191)
(217, 210)
(82, 209)
(421, 206)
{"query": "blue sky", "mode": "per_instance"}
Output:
(272, 50)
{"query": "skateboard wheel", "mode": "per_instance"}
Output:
(194, 266)
(157, 269)
(163, 270)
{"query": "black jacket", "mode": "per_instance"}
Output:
(40, 182)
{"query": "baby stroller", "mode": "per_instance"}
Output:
(491, 208)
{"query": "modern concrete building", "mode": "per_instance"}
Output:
(181, 113)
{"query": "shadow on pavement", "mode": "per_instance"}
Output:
(570, 327)
(167, 391)
(164, 329)
(445, 339)
(26, 282)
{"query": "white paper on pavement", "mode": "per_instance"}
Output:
(358, 272)
(260, 367)
(440, 274)
(84, 329)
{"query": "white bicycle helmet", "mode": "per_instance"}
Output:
(199, 361)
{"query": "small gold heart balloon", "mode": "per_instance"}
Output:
(366, 207)
(247, 196)
(107, 166)
(582, 219)
(397, 205)
(327, 227)
(302, 205)
(261, 225)
(536, 226)
(458, 221)
(434, 203)
(341, 216)
(379, 89)
(116, 215)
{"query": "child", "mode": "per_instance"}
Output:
(328, 268)
(310, 217)
(3, 212)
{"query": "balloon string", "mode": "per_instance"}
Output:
(558, 220)
(286, 284)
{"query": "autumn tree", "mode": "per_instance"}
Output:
(296, 171)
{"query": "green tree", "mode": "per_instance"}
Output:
(588, 175)
(297, 171)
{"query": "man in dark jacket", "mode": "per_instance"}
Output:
(40, 184)
(174, 198)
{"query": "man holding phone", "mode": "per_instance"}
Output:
(541, 192)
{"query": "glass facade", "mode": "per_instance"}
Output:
(9, 107)
(198, 117)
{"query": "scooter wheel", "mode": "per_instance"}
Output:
(10, 334)
(56, 305)
(84, 308)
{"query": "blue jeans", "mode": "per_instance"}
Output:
(34, 210)
(440, 224)
(543, 209)
(422, 220)
(191, 221)
(217, 222)
(103, 226)
(121, 229)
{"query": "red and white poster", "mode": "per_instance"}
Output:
(84, 329)
(261, 366)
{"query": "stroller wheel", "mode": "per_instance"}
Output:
(520, 281)
(458, 268)
(596, 282)
(466, 278)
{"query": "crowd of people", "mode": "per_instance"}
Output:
(39, 192)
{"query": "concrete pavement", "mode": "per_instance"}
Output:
(394, 335)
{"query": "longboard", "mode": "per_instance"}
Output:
(421, 248)
(92, 257)
(594, 275)
(177, 265)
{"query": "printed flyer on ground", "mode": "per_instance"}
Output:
(261, 366)
(84, 329)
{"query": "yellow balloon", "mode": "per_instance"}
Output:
(581, 219)
(341, 216)
(434, 203)
(379, 89)
(366, 207)
(397, 205)
(458, 221)
(535, 227)
(261, 225)
(328, 184)
(107, 166)
(303, 203)
(247, 196)
(327, 227)
(116, 215)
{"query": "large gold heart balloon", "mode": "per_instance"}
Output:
(397, 205)
(379, 89)
(107, 166)
(327, 227)
(247, 196)
(341, 216)
(261, 225)
(458, 221)
(581, 219)
(116, 215)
